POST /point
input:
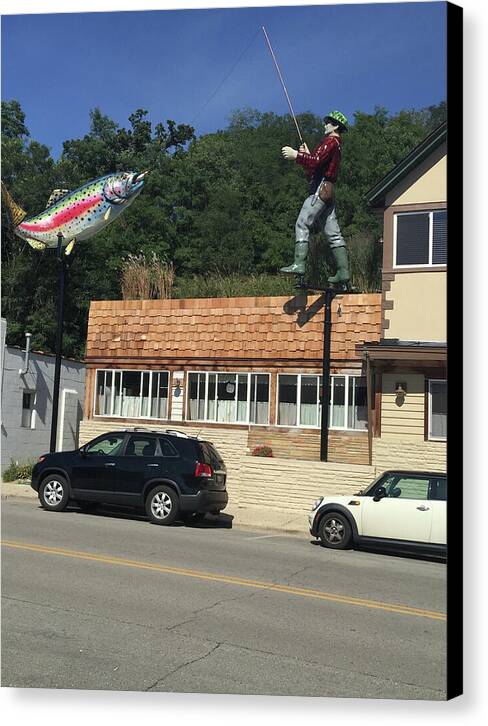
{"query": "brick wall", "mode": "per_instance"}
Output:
(349, 447)
(394, 453)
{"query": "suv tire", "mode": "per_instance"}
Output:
(162, 505)
(335, 531)
(54, 493)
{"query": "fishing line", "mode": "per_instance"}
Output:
(225, 79)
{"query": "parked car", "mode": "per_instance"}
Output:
(167, 473)
(401, 510)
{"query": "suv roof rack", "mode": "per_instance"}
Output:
(171, 432)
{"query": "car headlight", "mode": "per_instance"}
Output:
(317, 503)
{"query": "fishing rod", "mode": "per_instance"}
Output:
(283, 84)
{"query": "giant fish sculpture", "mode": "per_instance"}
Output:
(77, 215)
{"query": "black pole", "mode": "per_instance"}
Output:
(324, 424)
(59, 345)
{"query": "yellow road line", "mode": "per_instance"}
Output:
(229, 579)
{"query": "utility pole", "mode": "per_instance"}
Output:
(329, 295)
(59, 343)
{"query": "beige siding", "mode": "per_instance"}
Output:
(419, 306)
(425, 184)
(404, 421)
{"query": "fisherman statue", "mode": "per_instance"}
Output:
(318, 209)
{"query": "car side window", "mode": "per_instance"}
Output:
(438, 488)
(167, 448)
(406, 487)
(141, 446)
(107, 446)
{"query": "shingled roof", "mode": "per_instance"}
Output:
(227, 329)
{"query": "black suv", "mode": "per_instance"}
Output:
(167, 473)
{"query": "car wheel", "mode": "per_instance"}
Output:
(335, 531)
(194, 517)
(54, 493)
(162, 505)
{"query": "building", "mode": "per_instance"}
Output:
(249, 364)
(408, 368)
(26, 386)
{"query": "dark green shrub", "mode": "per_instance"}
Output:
(22, 470)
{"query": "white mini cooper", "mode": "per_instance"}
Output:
(401, 510)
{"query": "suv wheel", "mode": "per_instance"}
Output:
(335, 531)
(162, 505)
(53, 493)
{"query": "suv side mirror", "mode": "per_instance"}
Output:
(379, 494)
(83, 452)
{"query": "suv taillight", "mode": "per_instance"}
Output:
(203, 470)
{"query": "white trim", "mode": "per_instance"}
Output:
(429, 417)
(59, 445)
(113, 371)
(425, 265)
(247, 422)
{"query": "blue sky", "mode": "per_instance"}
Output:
(170, 62)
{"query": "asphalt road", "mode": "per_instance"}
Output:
(109, 601)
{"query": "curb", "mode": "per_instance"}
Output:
(268, 521)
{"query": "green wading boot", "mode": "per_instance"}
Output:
(298, 266)
(342, 272)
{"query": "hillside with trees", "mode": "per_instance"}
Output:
(219, 209)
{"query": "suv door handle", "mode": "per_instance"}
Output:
(152, 464)
(110, 463)
(423, 509)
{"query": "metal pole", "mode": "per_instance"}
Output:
(324, 424)
(59, 345)
(283, 84)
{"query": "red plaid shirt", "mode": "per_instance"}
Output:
(323, 162)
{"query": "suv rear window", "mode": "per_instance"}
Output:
(211, 455)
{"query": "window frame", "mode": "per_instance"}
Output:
(247, 422)
(422, 265)
(113, 371)
(346, 376)
(429, 408)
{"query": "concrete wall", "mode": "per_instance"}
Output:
(419, 311)
(23, 444)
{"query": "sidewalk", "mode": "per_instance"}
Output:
(269, 520)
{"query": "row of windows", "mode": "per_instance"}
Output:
(420, 239)
(245, 398)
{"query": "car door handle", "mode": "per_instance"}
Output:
(110, 463)
(152, 464)
(423, 509)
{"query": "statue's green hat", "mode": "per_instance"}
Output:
(339, 117)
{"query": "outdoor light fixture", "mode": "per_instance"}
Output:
(177, 391)
(400, 391)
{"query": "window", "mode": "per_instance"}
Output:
(299, 401)
(420, 238)
(132, 394)
(438, 410)
(438, 489)
(28, 410)
(228, 397)
(141, 446)
(167, 449)
(406, 487)
(107, 445)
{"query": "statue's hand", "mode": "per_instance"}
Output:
(289, 153)
(304, 148)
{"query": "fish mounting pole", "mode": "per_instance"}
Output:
(283, 84)
(59, 344)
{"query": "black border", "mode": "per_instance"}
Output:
(455, 362)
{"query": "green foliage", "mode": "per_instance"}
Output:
(21, 471)
(221, 208)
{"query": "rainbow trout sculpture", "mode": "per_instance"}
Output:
(76, 215)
